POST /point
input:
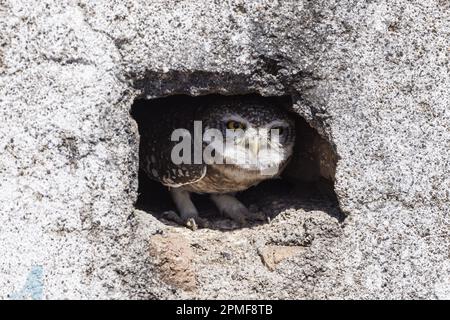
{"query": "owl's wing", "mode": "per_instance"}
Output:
(156, 147)
(178, 175)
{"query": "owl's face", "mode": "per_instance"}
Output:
(259, 136)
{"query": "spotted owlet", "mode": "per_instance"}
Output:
(247, 154)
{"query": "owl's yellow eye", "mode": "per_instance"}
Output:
(235, 125)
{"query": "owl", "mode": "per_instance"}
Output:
(230, 143)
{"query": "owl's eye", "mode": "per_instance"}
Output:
(235, 125)
(280, 130)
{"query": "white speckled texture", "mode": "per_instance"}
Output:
(373, 78)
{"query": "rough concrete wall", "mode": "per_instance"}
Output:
(372, 78)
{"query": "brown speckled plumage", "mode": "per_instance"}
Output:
(156, 144)
(217, 179)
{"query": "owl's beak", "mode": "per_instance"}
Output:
(254, 146)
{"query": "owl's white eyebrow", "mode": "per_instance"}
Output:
(276, 123)
(234, 118)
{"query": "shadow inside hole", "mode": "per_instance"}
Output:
(268, 200)
(306, 183)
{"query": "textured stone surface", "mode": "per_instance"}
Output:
(172, 256)
(373, 78)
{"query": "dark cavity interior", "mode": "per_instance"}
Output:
(306, 184)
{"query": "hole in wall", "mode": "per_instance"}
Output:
(306, 183)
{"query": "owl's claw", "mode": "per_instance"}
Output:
(191, 224)
(194, 223)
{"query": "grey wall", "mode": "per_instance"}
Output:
(372, 77)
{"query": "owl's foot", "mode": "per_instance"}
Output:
(195, 223)
(231, 207)
(172, 216)
(188, 213)
(192, 223)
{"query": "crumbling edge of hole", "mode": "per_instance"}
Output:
(318, 120)
(315, 119)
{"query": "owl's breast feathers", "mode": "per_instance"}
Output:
(225, 178)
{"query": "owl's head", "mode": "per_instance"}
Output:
(259, 135)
